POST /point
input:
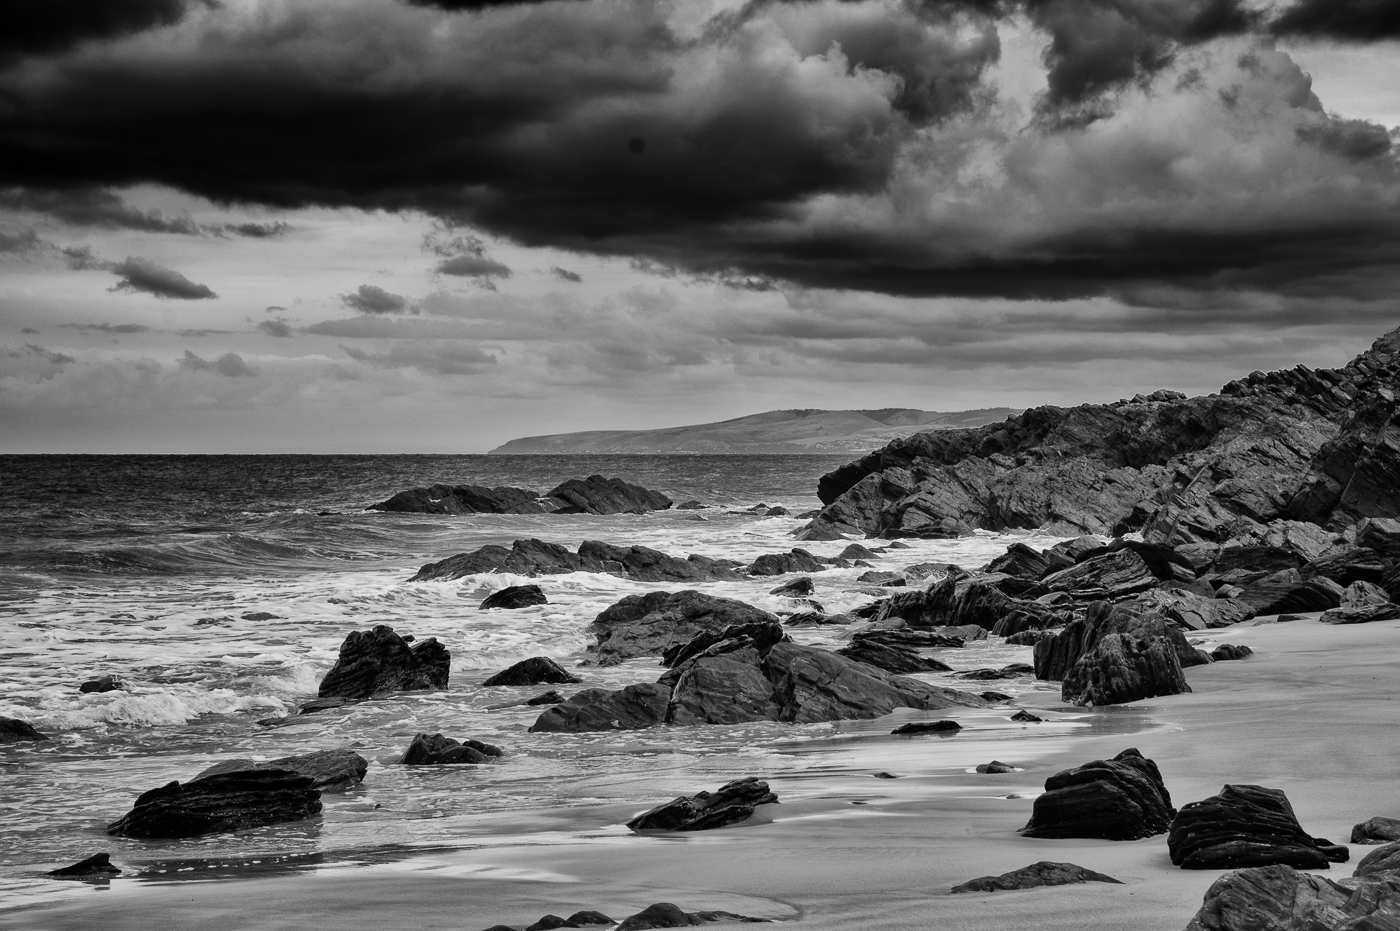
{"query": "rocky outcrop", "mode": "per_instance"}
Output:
(799, 587)
(378, 661)
(762, 634)
(729, 804)
(437, 750)
(593, 495)
(1044, 873)
(1379, 861)
(13, 730)
(1245, 825)
(1119, 799)
(536, 557)
(1287, 592)
(955, 602)
(514, 597)
(1124, 668)
(995, 768)
(1362, 615)
(891, 658)
(1056, 655)
(1376, 831)
(99, 864)
(222, 802)
(1317, 446)
(630, 708)
(812, 685)
(666, 915)
(328, 770)
(647, 624)
(1279, 898)
(533, 671)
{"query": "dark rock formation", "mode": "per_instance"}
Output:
(783, 563)
(666, 915)
(1347, 564)
(856, 551)
(1362, 615)
(435, 750)
(927, 727)
(107, 683)
(951, 602)
(812, 685)
(1288, 592)
(222, 802)
(1056, 655)
(1364, 594)
(593, 495)
(907, 639)
(1044, 873)
(1025, 717)
(995, 768)
(1027, 638)
(1229, 651)
(99, 864)
(1243, 826)
(328, 770)
(1118, 799)
(548, 698)
(515, 596)
(891, 658)
(635, 706)
(13, 730)
(1021, 561)
(799, 587)
(877, 577)
(599, 495)
(724, 684)
(1279, 898)
(1123, 668)
(996, 698)
(376, 661)
(536, 557)
(533, 671)
(731, 803)
(762, 634)
(1376, 831)
(1379, 861)
(1304, 445)
(1193, 611)
(647, 624)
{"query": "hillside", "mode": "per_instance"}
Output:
(789, 431)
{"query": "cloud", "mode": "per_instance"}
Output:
(229, 365)
(437, 358)
(96, 208)
(563, 274)
(82, 258)
(201, 332)
(19, 242)
(257, 230)
(142, 275)
(122, 328)
(58, 24)
(463, 256)
(278, 327)
(372, 299)
(1354, 20)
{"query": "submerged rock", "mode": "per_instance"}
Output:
(599, 495)
(13, 730)
(222, 802)
(1119, 799)
(373, 662)
(99, 864)
(328, 770)
(437, 750)
(533, 671)
(514, 597)
(1245, 825)
(782, 563)
(729, 804)
(799, 587)
(1044, 873)
(107, 683)
(927, 727)
(995, 768)
(891, 658)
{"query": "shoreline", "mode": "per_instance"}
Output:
(1309, 714)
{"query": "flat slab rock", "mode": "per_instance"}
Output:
(222, 802)
(533, 671)
(729, 804)
(378, 661)
(1044, 873)
(1119, 799)
(329, 770)
(1279, 898)
(1243, 826)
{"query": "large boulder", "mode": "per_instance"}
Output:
(1347, 564)
(1123, 668)
(1362, 614)
(1110, 574)
(328, 770)
(1044, 873)
(957, 602)
(533, 671)
(1245, 825)
(1119, 799)
(228, 801)
(666, 915)
(1194, 611)
(1279, 898)
(647, 624)
(599, 495)
(1021, 561)
(729, 804)
(813, 685)
(97, 865)
(1377, 830)
(724, 684)
(1379, 861)
(763, 634)
(13, 730)
(630, 708)
(514, 597)
(378, 661)
(782, 563)
(1056, 655)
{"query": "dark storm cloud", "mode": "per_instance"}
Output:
(229, 365)
(94, 207)
(372, 299)
(1347, 20)
(279, 328)
(53, 25)
(1355, 140)
(142, 275)
(19, 242)
(463, 256)
(563, 274)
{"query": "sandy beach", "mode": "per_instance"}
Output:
(1312, 713)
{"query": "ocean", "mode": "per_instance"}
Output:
(219, 589)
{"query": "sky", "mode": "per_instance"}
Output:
(437, 225)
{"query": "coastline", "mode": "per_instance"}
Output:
(1309, 714)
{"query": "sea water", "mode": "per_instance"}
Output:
(219, 589)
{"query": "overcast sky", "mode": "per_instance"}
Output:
(379, 226)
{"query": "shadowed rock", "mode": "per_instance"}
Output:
(436, 750)
(1056, 655)
(533, 671)
(1288, 592)
(1279, 898)
(1376, 831)
(1119, 799)
(731, 803)
(763, 634)
(1380, 861)
(329, 770)
(647, 624)
(1044, 873)
(373, 662)
(722, 685)
(222, 802)
(513, 597)
(13, 730)
(995, 768)
(1245, 825)
(799, 587)
(599, 495)
(99, 864)
(1123, 668)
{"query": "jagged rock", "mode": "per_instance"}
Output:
(691, 506)
(222, 802)
(1055, 656)
(1363, 614)
(599, 495)
(777, 511)
(995, 697)
(729, 804)
(1118, 799)
(436, 750)
(1381, 534)
(891, 658)
(1027, 638)
(817, 619)
(13, 730)
(630, 708)
(103, 684)
(1376, 831)
(1347, 564)
(1279, 898)
(99, 864)
(1021, 561)
(1230, 651)
(1245, 825)
(927, 570)
(724, 684)
(1364, 594)
(875, 577)
(1288, 592)
(1044, 873)
(328, 770)
(907, 638)
(536, 557)
(1123, 668)
(513, 597)
(763, 634)
(783, 563)
(1068, 552)
(1025, 717)
(536, 670)
(647, 624)
(995, 768)
(666, 915)
(965, 632)
(948, 604)
(1380, 861)
(799, 587)
(373, 662)
(1193, 611)
(927, 727)
(1112, 574)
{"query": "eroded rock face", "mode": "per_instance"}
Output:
(377, 661)
(221, 802)
(647, 624)
(1279, 898)
(1363, 614)
(1245, 825)
(1119, 799)
(891, 658)
(533, 671)
(328, 770)
(1230, 651)
(729, 804)
(1044, 873)
(1123, 668)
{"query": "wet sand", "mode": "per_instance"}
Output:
(1313, 713)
